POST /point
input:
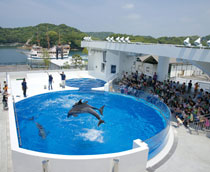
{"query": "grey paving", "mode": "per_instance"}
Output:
(192, 153)
(5, 151)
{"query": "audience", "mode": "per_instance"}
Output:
(187, 106)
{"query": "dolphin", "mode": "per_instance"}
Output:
(80, 107)
(42, 132)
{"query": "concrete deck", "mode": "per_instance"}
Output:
(191, 154)
(5, 153)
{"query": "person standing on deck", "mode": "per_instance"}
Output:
(63, 80)
(189, 86)
(50, 81)
(24, 87)
(196, 88)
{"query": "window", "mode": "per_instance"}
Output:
(113, 68)
(104, 56)
(103, 67)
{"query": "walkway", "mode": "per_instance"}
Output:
(192, 153)
(5, 153)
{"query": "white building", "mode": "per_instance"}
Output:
(106, 59)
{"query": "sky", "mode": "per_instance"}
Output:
(136, 17)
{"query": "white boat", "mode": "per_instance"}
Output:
(56, 52)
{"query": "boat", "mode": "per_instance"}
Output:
(56, 52)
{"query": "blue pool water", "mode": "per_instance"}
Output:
(85, 83)
(126, 119)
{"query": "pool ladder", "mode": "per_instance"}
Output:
(17, 123)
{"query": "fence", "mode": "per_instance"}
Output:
(157, 142)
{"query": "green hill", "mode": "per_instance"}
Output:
(163, 40)
(39, 32)
(74, 36)
(99, 35)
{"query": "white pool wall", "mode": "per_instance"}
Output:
(133, 160)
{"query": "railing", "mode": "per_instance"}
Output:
(201, 126)
(17, 123)
(157, 142)
(205, 85)
(144, 43)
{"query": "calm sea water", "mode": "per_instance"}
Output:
(13, 55)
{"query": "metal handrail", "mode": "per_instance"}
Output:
(17, 123)
(162, 114)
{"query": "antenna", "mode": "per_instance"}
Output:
(108, 39)
(122, 39)
(118, 39)
(112, 39)
(198, 42)
(187, 42)
(127, 39)
(86, 38)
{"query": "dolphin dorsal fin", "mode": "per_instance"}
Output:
(80, 101)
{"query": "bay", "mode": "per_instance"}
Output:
(15, 56)
(12, 56)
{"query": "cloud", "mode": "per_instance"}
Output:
(128, 6)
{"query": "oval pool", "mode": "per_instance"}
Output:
(44, 126)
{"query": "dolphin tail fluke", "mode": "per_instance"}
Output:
(100, 122)
(102, 109)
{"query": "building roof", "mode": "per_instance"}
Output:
(154, 59)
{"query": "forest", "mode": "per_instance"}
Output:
(64, 34)
(41, 33)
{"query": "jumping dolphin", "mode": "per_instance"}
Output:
(42, 132)
(80, 107)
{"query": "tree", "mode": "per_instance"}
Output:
(85, 51)
(53, 36)
(46, 58)
(66, 65)
(77, 61)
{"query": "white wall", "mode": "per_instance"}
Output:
(133, 161)
(126, 62)
(112, 58)
(162, 69)
(121, 60)
(97, 60)
(90, 60)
